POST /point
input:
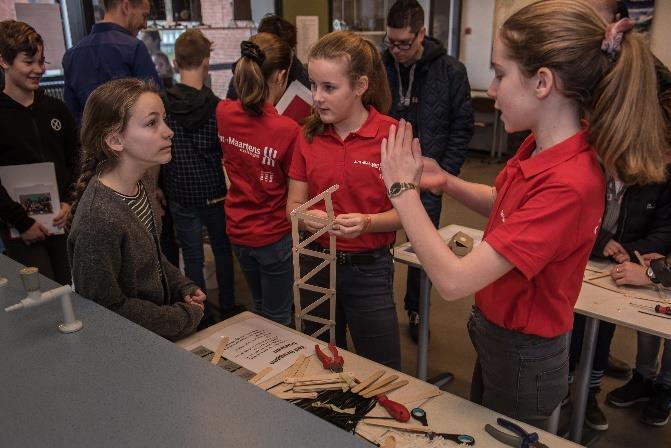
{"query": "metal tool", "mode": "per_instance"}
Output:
(660, 310)
(419, 414)
(520, 438)
(395, 409)
(333, 364)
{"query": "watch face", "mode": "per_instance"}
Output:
(395, 189)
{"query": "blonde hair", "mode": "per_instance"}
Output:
(618, 98)
(251, 75)
(363, 59)
(107, 111)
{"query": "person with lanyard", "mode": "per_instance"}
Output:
(35, 128)
(113, 244)
(546, 206)
(340, 144)
(430, 90)
(258, 144)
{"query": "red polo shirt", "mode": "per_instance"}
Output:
(353, 164)
(544, 221)
(257, 154)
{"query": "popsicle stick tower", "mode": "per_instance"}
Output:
(329, 260)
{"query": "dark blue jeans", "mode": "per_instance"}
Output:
(364, 304)
(433, 204)
(522, 376)
(270, 276)
(189, 222)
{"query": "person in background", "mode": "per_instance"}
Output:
(556, 64)
(340, 144)
(257, 144)
(430, 90)
(194, 178)
(152, 40)
(111, 51)
(286, 31)
(113, 244)
(35, 128)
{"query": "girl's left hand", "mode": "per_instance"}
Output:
(62, 216)
(349, 225)
(401, 156)
(629, 273)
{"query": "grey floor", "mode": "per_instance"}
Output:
(450, 348)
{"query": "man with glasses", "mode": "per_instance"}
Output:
(429, 89)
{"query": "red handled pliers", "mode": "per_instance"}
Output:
(333, 364)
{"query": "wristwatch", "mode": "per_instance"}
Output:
(399, 187)
(651, 275)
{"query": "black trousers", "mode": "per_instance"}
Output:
(364, 304)
(50, 256)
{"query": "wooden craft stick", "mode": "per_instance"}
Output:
(397, 425)
(279, 378)
(378, 384)
(320, 382)
(220, 349)
(256, 379)
(389, 442)
(301, 370)
(318, 387)
(302, 379)
(385, 389)
(368, 381)
(296, 395)
(599, 276)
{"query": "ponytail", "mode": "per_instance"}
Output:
(261, 56)
(363, 59)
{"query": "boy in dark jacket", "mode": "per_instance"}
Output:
(430, 90)
(194, 179)
(35, 128)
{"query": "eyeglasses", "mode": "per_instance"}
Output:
(401, 45)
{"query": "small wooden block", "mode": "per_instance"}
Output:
(368, 381)
(385, 389)
(220, 349)
(461, 244)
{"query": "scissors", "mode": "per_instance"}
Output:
(419, 414)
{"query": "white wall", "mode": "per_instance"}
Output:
(660, 39)
(475, 48)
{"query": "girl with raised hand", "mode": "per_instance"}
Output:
(556, 63)
(258, 143)
(340, 145)
(113, 244)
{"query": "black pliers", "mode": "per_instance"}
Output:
(520, 439)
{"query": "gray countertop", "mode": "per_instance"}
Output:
(115, 384)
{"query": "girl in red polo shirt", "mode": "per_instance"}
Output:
(257, 144)
(340, 144)
(553, 60)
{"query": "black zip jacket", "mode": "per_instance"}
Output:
(442, 95)
(644, 224)
(42, 132)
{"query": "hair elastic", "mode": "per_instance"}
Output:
(612, 41)
(251, 50)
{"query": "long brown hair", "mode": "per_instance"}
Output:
(618, 98)
(252, 73)
(107, 111)
(363, 59)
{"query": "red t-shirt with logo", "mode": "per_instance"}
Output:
(544, 221)
(257, 153)
(353, 164)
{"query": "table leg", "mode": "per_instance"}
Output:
(423, 336)
(582, 378)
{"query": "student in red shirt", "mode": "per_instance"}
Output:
(257, 144)
(556, 62)
(340, 145)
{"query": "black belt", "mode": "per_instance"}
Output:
(368, 257)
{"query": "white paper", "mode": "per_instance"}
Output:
(27, 184)
(295, 89)
(307, 34)
(256, 344)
